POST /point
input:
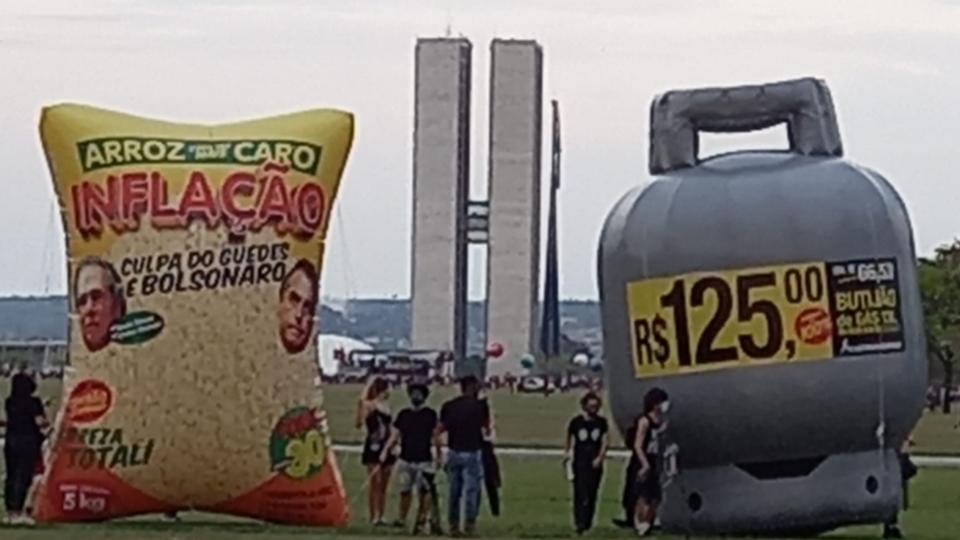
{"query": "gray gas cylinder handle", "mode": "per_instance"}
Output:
(803, 104)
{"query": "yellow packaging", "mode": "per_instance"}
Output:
(194, 261)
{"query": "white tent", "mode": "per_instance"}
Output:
(327, 344)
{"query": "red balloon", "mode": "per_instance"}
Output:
(495, 350)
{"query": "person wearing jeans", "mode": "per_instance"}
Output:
(465, 475)
(463, 419)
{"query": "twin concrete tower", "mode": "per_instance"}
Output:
(446, 220)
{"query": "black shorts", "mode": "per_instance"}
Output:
(649, 488)
(371, 455)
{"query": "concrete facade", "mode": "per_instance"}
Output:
(441, 180)
(516, 96)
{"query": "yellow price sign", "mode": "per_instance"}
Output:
(708, 320)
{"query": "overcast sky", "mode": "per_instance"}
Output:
(891, 66)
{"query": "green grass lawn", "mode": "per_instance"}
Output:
(535, 420)
(536, 504)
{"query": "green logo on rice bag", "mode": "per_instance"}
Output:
(298, 446)
(137, 327)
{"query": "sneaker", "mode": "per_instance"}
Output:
(436, 529)
(23, 520)
(398, 524)
(623, 523)
(470, 530)
(643, 529)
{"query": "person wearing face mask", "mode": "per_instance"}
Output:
(646, 448)
(413, 429)
(586, 448)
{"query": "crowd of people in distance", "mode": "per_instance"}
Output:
(8, 370)
(529, 384)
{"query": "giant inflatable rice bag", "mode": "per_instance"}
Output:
(194, 260)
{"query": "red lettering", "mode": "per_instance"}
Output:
(133, 197)
(296, 425)
(93, 206)
(244, 201)
(274, 205)
(310, 209)
(81, 220)
(238, 184)
(198, 201)
(162, 214)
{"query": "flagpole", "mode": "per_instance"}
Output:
(550, 314)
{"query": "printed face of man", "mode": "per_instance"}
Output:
(97, 305)
(297, 307)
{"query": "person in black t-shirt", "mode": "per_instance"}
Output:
(464, 420)
(586, 447)
(21, 450)
(413, 429)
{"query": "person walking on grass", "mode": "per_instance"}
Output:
(373, 414)
(628, 497)
(585, 450)
(413, 429)
(492, 481)
(646, 448)
(463, 420)
(25, 420)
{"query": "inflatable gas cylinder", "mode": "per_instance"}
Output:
(773, 295)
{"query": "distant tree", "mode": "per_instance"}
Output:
(940, 293)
